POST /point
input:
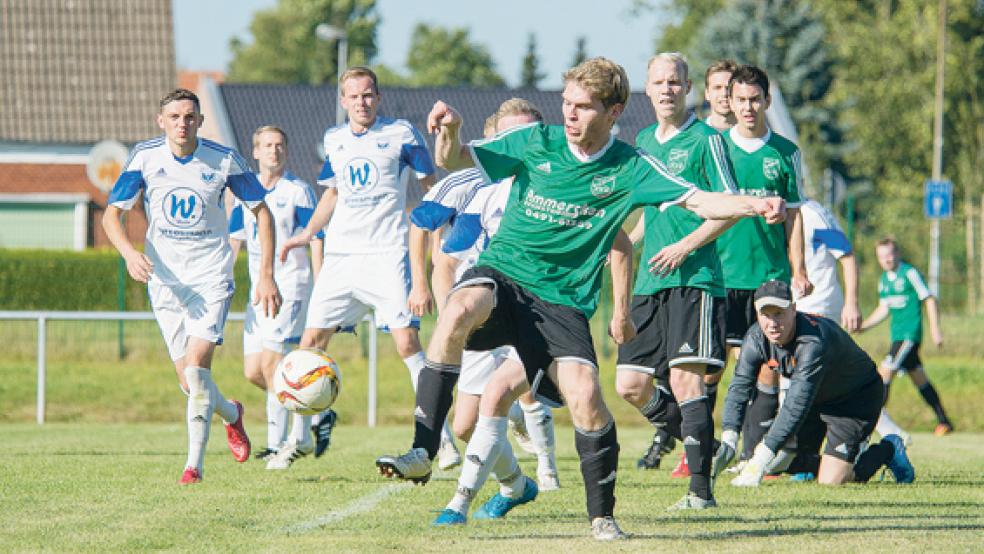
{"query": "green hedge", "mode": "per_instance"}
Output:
(83, 281)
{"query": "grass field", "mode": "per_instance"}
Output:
(102, 487)
(101, 475)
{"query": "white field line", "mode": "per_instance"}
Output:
(360, 505)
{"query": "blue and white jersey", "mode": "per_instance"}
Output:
(291, 201)
(370, 172)
(472, 206)
(187, 229)
(825, 244)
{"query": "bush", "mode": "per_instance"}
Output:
(80, 281)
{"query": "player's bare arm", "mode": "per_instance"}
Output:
(795, 251)
(876, 317)
(319, 219)
(933, 315)
(673, 255)
(420, 300)
(267, 294)
(719, 205)
(621, 327)
(449, 153)
(851, 313)
(317, 256)
(138, 265)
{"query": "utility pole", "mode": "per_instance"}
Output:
(934, 232)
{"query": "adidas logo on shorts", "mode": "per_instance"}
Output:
(686, 348)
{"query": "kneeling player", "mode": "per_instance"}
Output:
(835, 393)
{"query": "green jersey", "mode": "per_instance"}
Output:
(564, 211)
(903, 291)
(696, 153)
(752, 251)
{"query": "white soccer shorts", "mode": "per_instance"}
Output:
(477, 367)
(349, 285)
(277, 333)
(184, 311)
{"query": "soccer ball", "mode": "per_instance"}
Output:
(307, 381)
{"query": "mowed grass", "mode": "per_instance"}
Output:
(107, 487)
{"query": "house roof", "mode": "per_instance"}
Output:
(304, 112)
(79, 72)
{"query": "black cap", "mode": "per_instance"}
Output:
(773, 293)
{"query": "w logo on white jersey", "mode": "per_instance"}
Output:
(183, 207)
(362, 175)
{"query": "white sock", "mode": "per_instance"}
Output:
(506, 470)
(226, 409)
(199, 415)
(539, 425)
(300, 430)
(516, 414)
(887, 426)
(482, 453)
(415, 363)
(276, 421)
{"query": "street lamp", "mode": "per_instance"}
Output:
(327, 32)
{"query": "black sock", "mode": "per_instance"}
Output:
(888, 388)
(805, 463)
(712, 395)
(435, 393)
(598, 451)
(928, 393)
(698, 439)
(873, 458)
(761, 413)
(663, 412)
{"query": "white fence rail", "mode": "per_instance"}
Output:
(42, 318)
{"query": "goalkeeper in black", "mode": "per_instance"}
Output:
(835, 393)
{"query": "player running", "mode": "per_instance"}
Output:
(266, 340)
(536, 285)
(751, 251)
(679, 315)
(475, 208)
(367, 167)
(901, 293)
(187, 263)
(835, 395)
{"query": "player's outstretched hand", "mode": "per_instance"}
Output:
(267, 297)
(668, 259)
(621, 328)
(420, 301)
(138, 265)
(300, 239)
(754, 470)
(937, 338)
(772, 208)
(442, 115)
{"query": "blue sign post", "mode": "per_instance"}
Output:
(938, 203)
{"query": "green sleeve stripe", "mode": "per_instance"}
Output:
(798, 175)
(661, 169)
(722, 164)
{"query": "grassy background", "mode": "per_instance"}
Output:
(87, 382)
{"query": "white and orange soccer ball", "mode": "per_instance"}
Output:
(307, 381)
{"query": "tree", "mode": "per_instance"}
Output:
(440, 57)
(580, 50)
(690, 16)
(286, 50)
(531, 75)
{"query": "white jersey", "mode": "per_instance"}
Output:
(187, 230)
(370, 172)
(825, 244)
(472, 206)
(291, 201)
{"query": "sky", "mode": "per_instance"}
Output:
(203, 29)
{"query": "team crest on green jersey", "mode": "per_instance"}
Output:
(602, 185)
(676, 161)
(770, 167)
